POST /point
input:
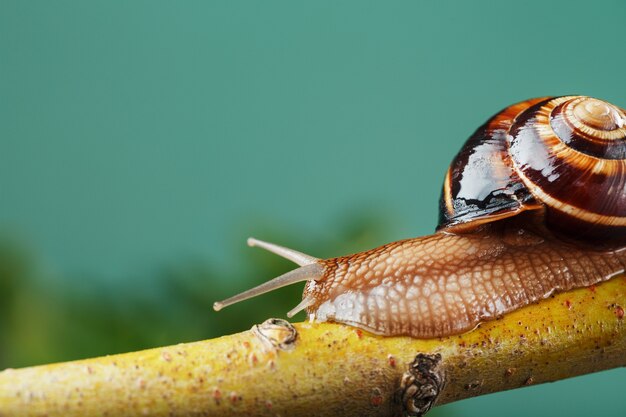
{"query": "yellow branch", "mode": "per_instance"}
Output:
(330, 369)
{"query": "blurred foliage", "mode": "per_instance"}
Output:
(46, 318)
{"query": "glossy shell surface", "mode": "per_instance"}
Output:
(566, 155)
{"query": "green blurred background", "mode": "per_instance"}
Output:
(143, 141)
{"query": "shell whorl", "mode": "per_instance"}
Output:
(564, 154)
(570, 153)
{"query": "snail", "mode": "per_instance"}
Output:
(533, 204)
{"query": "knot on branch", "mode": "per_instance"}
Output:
(276, 334)
(420, 385)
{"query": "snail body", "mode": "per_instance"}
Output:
(533, 204)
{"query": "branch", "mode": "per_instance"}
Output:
(330, 369)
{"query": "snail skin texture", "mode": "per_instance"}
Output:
(533, 204)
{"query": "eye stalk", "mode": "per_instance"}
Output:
(310, 269)
(294, 256)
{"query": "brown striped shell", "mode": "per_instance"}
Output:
(533, 204)
(566, 155)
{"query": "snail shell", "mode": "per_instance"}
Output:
(534, 203)
(564, 154)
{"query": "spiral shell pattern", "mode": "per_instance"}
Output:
(570, 153)
(565, 154)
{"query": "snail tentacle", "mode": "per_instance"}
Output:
(290, 254)
(305, 303)
(304, 273)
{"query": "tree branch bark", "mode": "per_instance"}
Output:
(330, 369)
